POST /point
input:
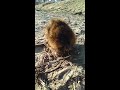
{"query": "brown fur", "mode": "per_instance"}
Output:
(59, 36)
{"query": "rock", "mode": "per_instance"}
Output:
(78, 13)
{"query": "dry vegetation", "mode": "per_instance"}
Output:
(73, 75)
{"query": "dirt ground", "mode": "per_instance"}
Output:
(75, 17)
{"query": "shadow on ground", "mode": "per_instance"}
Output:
(39, 48)
(78, 55)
